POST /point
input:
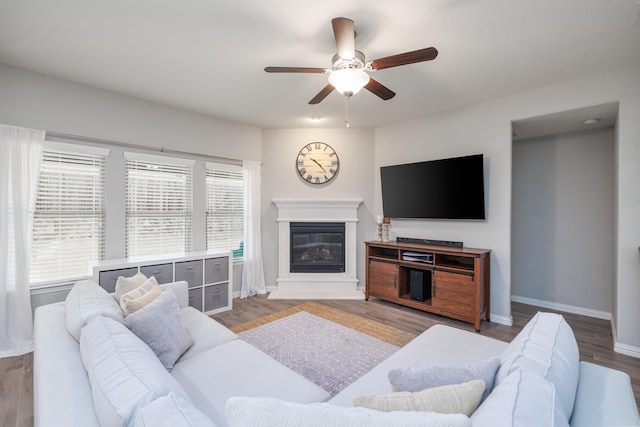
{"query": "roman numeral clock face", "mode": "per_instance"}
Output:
(317, 163)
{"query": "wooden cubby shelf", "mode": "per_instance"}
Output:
(455, 280)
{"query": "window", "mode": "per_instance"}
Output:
(68, 228)
(225, 208)
(158, 205)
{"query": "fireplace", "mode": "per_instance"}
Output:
(316, 247)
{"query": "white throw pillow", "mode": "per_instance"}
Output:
(126, 284)
(266, 412)
(123, 371)
(447, 399)
(85, 301)
(547, 347)
(421, 377)
(141, 296)
(523, 399)
(161, 326)
(170, 411)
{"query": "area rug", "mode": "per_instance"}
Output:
(328, 346)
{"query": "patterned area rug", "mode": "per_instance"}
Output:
(330, 347)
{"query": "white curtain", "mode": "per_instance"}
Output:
(20, 158)
(252, 272)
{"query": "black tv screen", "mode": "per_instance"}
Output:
(438, 189)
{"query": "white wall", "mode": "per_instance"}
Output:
(280, 180)
(486, 128)
(563, 219)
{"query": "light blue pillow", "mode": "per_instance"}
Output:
(124, 374)
(421, 377)
(546, 347)
(85, 301)
(523, 399)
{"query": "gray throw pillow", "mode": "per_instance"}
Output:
(421, 377)
(161, 326)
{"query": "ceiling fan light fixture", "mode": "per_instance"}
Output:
(348, 81)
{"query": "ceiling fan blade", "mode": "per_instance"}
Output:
(379, 89)
(294, 70)
(412, 57)
(345, 36)
(322, 94)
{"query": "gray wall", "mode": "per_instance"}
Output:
(42, 102)
(563, 219)
(486, 128)
(34, 100)
(281, 181)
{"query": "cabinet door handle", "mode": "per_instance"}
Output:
(395, 280)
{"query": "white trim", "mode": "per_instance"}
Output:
(629, 350)
(144, 157)
(75, 148)
(502, 320)
(563, 307)
(313, 210)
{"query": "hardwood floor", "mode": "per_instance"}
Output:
(593, 335)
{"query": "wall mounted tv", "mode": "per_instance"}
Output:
(438, 189)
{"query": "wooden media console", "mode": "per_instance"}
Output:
(452, 282)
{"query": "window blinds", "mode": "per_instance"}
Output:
(158, 208)
(225, 212)
(68, 228)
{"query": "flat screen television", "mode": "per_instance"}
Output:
(438, 189)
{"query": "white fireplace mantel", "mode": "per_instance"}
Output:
(317, 285)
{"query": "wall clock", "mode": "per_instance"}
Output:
(317, 163)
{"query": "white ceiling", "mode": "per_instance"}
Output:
(208, 56)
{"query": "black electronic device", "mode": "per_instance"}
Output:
(432, 242)
(438, 189)
(420, 284)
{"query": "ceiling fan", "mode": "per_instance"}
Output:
(349, 71)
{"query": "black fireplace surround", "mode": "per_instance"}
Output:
(316, 247)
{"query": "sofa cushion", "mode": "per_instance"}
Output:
(206, 332)
(141, 296)
(266, 412)
(170, 411)
(126, 284)
(237, 368)
(604, 398)
(420, 377)
(123, 371)
(547, 347)
(160, 325)
(85, 301)
(523, 399)
(448, 399)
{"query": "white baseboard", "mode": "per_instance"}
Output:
(629, 350)
(563, 307)
(621, 348)
(502, 320)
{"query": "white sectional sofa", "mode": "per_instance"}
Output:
(222, 380)
(599, 396)
(216, 367)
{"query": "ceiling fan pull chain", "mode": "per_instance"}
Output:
(346, 111)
